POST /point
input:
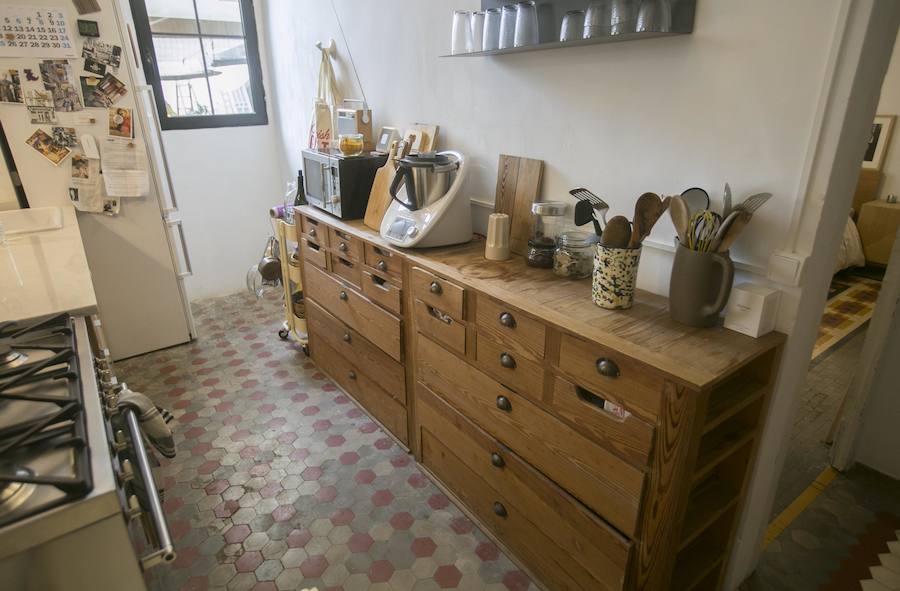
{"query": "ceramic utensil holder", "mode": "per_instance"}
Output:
(496, 247)
(699, 286)
(615, 277)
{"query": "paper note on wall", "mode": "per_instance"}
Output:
(125, 171)
(35, 31)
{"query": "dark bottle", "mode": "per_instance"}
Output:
(300, 199)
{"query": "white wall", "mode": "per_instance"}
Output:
(733, 102)
(889, 104)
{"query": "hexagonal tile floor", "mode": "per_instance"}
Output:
(282, 482)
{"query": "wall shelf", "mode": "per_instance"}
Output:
(574, 43)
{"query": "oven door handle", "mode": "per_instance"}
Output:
(166, 551)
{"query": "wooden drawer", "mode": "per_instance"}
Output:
(442, 328)
(354, 380)
(509, 367)
(512, 328)
(625, 381)
(356, 311)
(588, 413)
(314, 230)
(384, 261)
(566, 545)
(314, 253)
(597, 477)
(349, 271)
(346, 245)
(381, 291)
(440, 293)
(377, 364)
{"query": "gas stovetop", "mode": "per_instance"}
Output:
(44, 455)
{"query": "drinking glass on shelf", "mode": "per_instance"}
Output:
(526, 24)
(572, 26)
(491, 38)
(624, 15)
(597, 19)
(461, 36)
(654, 15)
(508, 26)
(477, 31)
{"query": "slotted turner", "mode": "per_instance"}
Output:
(596, 202)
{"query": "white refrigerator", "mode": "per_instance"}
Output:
(138, 259)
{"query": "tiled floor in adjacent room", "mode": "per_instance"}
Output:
(281, 482)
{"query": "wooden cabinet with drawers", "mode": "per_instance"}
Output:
(604, 450)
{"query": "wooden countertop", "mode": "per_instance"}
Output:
(697, 357)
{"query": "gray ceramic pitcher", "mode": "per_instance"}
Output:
(700, 286)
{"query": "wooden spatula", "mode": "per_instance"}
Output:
(617, 233)
(681, 218)
(647, 209)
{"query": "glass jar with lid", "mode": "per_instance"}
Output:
(574, 256)
(546, 221)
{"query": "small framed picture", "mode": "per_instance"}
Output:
(879, 141)
(88, 28)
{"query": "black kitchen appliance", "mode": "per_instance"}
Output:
(340, 185)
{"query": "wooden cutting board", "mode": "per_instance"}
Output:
(518, 186)
(380, 196)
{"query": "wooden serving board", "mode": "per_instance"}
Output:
(518, 186)
(380, 194)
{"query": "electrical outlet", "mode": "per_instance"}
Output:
(786, 267)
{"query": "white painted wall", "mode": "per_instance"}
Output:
(889, 104)
(732, 102)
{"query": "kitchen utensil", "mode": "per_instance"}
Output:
(432, 209)
(699, 286)
(702, 230)
(623, 15)
(477, 31)
(405, 146)
(753, 202)
(647, 210)
(380, 196)
(696, 198)
(572, 26)
(461, 36)
(654, 16)
(508, 26)
(615, 275)
(526, 32)
(491, 37)
(617, 233)
(681, 217)
(584, 213)
(518, 184)
(496, 247)
(731, 228)
(424, 137)
(597, 19)
(726, 201)
(598, 204)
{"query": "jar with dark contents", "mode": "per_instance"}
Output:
(574, 256)
(540, 253)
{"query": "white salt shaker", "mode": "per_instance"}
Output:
(496, 247)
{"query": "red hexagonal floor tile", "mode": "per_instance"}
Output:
(207, 467)
(226, 509)
(438, 501)
(400, 461)
(342, 516)
(200, 449)
(283, 513)
(384, 443)
(402, 520)
(322, 425)
(311, 473)
(382, 498)
(314, 566)
(368, 428)
(417, 480)
(349, 457)
(300, 397)
(516, 580)
(298, 538)
(298, 455)
(447, 576)
(487, 551)
(286, 438)
(186, 557)
(216, 487)
(248, 562)
(365, 477)
(326, 494)
(335, 440)
(380, 571)
(422, 547)
(260, 470)
(237, 534)
(194, 432)
(310, 410)
(270, 490)
(196, 584)
(461, 525)
(240, 435)
(360, 542)
(251, 451)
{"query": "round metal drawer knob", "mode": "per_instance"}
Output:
(343, 295)
(507, 360)
(346, 337)
(499, 509)
(436, 288)
(507, 320)
(503, 403)
(497, 460)
(351, 374)
(607, 367)
(312, 232)
(382, 266)
(342, 247)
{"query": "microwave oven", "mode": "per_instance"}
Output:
(340, 185)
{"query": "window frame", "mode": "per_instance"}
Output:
(151, 72)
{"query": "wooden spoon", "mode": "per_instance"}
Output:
(681, 218)
(736, 222)
(617, 233)
(647, 210)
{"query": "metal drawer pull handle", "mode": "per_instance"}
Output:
(312, 232)
(382, 266)
(507, 320)
(507, 360)
(351, 374)
(497, 460)
(346, 337)
(432, 311)
(607, 367)
(499, 509)
(503, 403)
(343, 295)
(342, 247)
(436, 288)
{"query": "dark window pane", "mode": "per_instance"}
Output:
(183, 78)
(229, 76)
(220, 17)
(172, 16)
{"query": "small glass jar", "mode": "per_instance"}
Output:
(540, 253)
(351, 144)
(574, 256)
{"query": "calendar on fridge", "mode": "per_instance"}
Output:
(34, 31)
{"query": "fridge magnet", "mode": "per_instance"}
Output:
(120, 123)
(40, 107)
(73, 194)
(29, 75)
(10, 86)
(104, 53)
(43, 143)
(65, 137)
(879, 140)
(56, 76)
(35, 32)
(81, 167)
(109, 90)
(88, 86)
(94, 67)
(88, 28)
(111, 206)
